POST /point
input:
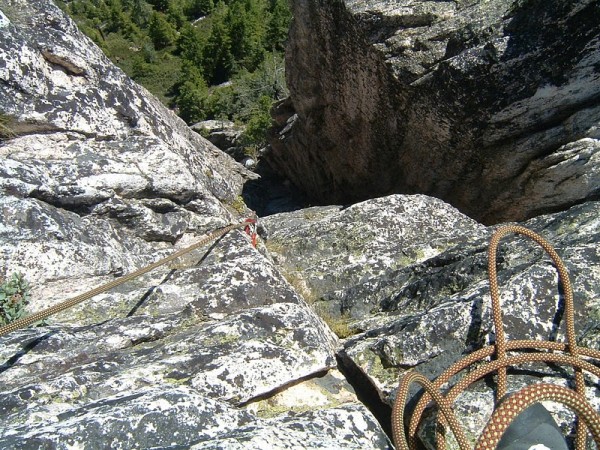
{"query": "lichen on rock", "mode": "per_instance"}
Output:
(225, 347)
(99, 179)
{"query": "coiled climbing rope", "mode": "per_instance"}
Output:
(531, 351)
(248, 224)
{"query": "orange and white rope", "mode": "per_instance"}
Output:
(536, 351)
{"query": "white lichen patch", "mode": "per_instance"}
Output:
(328, 391)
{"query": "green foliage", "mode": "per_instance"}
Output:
(6, 129)
(161, 32)
(191, 44)
(158, 76)
(160, 5)
(247, 31)
(116, 18)
(141, 13)
(218, 60)
(258, 123)
(279, 24)
(199, 8)
(220, 104)
(176, 15)
(193, 93)
(14, 297)
(207, 58)
(256, 92)
(247, 99)
(268, 80)
(148, 53)
(340, 325)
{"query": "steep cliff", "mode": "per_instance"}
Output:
(491, 106)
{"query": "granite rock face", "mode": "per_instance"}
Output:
(428, 304)
(233, 346)
(97, 179)
(326, 251)
(491, 106)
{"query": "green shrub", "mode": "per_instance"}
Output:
(14, 297)
(191, 100)
(6, 131)
(221, 103)
(258, 123)
(159, 76)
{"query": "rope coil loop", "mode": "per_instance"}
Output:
(568, 354)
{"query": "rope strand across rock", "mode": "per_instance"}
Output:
(248, 225)
(531, 351)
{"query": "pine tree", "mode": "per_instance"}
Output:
(217, 58)
(141, 13)
(279, 24)
(190, 44)
(161, 31)
(160, 5)
(247, 29)
(176, 14)
(199, 8)
(192, 96)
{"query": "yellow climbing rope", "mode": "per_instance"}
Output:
(44, 314)
(531, 351)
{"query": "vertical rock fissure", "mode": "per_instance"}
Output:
(366, 391)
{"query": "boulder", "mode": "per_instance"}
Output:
(491, 106)
(224, 134)
(327, 251)
(213, 350)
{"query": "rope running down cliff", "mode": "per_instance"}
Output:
(44, 314)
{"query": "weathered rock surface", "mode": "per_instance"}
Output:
(218, 350)
(327, 251)
(96, 119)
(100, 178)
(419, 297)
(493, 106)
(215, 350)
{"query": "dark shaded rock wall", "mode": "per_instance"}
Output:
(491, 106)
